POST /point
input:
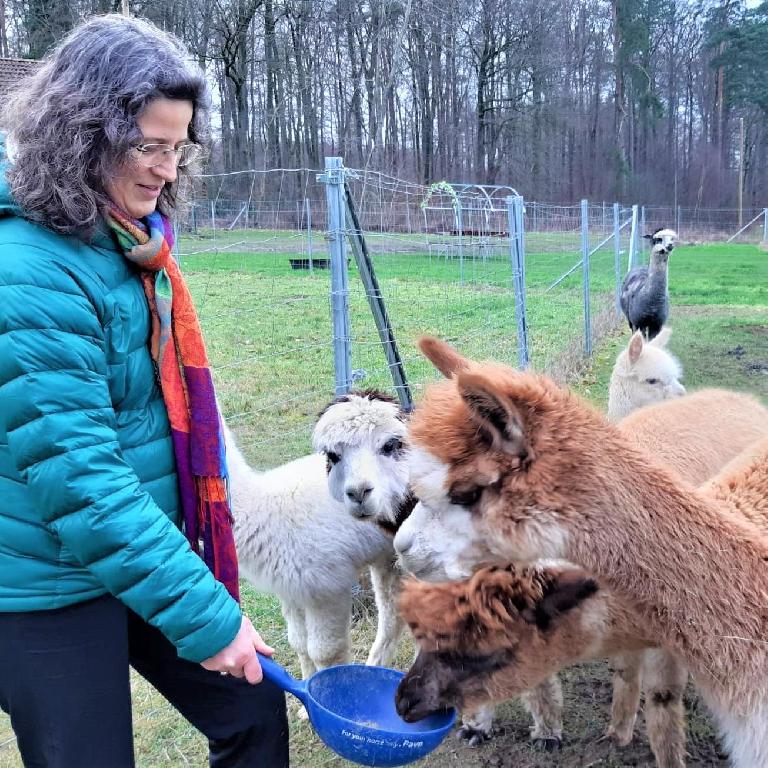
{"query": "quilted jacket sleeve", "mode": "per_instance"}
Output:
(61, 428)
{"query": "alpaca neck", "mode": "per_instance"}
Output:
(619, 400)
(694, 569)
(601, 626)
(657, 274)
(245, 486)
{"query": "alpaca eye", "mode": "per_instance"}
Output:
(465, 498)
(651, 381)
(333, 457)
(391, 446)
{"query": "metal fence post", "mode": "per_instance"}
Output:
(376, 302)
(617, 255)
(765, 225)
(585, 276)
(632, 259)
(679, 226)
(333, 178)
(643, 230)
(309, 233)
(460, 228)
(517, 257)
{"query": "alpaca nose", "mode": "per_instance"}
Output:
(359, 493)
(677, 389)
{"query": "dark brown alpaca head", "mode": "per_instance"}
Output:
(477, 635)
(507, 456)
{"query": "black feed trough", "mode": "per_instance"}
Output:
(316, 263)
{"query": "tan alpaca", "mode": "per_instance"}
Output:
(536, 473)
(504, 631)
(695, 436)
(645, 373)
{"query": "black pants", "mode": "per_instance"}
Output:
(64, 682)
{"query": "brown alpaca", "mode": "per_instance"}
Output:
(537, 473)
(504, 631)
(694, 436)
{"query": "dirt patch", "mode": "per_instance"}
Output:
(587, 690)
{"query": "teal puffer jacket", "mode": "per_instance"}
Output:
(88, 491)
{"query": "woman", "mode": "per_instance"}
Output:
(112, 476)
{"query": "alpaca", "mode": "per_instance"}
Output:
(353, 458)
(536, 473)
(694, 436)
(644, 293)
(645, 372)
(294, 539)
(505, 630)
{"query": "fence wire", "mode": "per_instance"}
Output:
(255, 248)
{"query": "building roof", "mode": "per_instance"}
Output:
(13, 71)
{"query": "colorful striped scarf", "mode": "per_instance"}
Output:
(178, 352)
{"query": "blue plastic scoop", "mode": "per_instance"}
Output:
(352, 709)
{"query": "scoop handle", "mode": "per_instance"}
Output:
(282, 678)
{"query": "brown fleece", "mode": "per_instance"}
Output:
(544, 462)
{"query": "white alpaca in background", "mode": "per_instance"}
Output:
(296, 541)
(645, 372)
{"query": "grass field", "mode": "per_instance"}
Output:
(267, 328)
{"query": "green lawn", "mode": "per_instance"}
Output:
(269, 327)
(268, 333)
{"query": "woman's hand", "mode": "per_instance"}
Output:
(239, 658)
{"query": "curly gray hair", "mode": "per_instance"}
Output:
(73, 123)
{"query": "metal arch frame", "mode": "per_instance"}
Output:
(473, 191)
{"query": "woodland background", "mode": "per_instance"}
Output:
(635, 100)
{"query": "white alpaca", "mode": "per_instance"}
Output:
(296, 541)
(645, 372)
(362, 435)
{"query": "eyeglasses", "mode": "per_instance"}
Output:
(150, 155)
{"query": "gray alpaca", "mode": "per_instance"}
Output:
(644, 292)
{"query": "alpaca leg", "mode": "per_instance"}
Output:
(297, 636)
(545, 703)
(626, 697)
(476, 725)
(664, 679)
(385, 579)
(328, 623)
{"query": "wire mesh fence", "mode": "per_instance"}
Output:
(258, 269)
(257, 248)
(443, 271)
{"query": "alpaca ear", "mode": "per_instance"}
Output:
(565, 591)
(635, 348)
(662, 337)
(647, 237)
(444, 357)
(499, 420)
